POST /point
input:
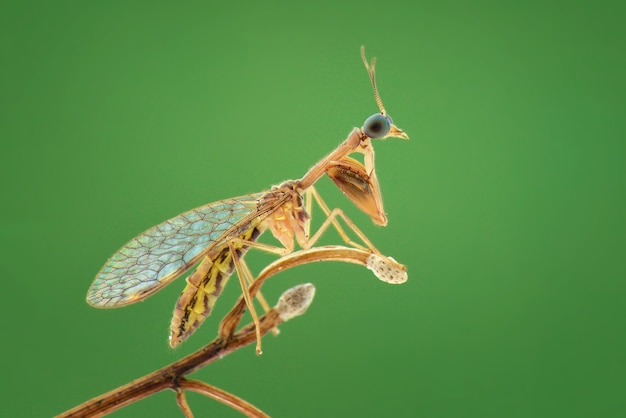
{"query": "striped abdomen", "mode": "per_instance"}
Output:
(203, 288)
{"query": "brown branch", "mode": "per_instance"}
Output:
(170, 377)
(292, 303)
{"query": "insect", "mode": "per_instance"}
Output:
(215, 237)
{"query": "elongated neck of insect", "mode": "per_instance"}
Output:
(346, 147)
(368, 159)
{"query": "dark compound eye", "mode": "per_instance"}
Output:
(377, 125)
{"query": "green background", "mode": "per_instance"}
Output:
(507, 204)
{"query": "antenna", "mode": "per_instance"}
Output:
(371, 72)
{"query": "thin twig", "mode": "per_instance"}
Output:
(224, 397)
(229, 323)
(181, 400)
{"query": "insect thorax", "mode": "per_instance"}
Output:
(288, 217)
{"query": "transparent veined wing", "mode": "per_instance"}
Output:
(164, 252)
